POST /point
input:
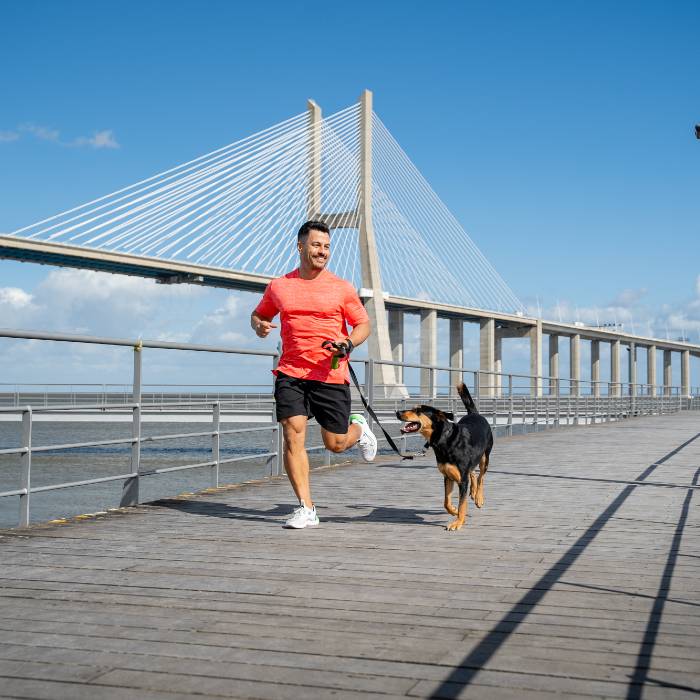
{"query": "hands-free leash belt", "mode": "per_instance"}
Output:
(344, 351)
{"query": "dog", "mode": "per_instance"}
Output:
(458, 447)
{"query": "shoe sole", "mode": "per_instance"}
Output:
(299, 527)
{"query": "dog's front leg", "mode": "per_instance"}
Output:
(457, 523)
(449, 485)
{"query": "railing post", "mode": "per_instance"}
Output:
(130, 490)
(369, 390)
(510, 404)
(277, 463)
(26, 461)
(477, 390)
(216, 445)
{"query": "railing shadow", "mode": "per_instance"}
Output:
(462, 675)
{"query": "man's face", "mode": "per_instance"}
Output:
(315, 250)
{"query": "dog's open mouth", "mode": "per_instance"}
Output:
(411, 427)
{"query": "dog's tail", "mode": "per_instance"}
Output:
(467, 398)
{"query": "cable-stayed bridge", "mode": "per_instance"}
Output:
(228, 218)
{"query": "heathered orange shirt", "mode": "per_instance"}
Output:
(312, 311)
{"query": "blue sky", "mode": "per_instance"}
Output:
(559, 134)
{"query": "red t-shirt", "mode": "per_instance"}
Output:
(312, 311)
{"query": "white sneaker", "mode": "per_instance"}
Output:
(303, 517)
(367, 442)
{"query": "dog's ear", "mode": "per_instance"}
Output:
(443, 415)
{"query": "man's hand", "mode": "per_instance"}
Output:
(263, 328)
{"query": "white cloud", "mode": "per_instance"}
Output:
(15, 297)
(100, 139)
(629, 297)
(629, 310)
(43, 133)
(17, 307)
(227, 325)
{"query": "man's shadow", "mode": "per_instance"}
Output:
(378, 514)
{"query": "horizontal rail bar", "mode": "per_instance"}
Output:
(183, 467)
(84, 482)
(70, 407)
(176, 436)
(14, 451)
(77, 445)
(155, 344)
(229, 460)
(248, 430)
(16, 492)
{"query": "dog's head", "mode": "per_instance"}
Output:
(424, 420)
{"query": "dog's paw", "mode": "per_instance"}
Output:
(479, 499)
(456, 524)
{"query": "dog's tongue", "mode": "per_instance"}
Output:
(410, 427)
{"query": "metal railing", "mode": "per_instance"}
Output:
(130, 490)
(509, 401)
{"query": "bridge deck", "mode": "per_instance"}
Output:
(578, 578)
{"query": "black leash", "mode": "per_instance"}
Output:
(344, 351)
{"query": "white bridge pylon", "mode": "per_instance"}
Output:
(238, 208)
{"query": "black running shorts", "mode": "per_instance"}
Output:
(329, 404)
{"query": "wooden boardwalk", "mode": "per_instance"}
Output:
(580, 578)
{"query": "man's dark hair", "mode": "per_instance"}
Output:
(312, 226)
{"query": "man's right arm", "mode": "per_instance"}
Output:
(261, 325)
(264, 312)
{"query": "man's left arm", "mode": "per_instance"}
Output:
(356, 317)
(359, 334)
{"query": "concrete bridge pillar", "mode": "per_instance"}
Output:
(575, 364)
(651, 369)
(456, 351)
(313, 190)
(595, 367)
(498, 364)
(685, 372)
(428, 352)
(379, 345)
(553, 365)
(487, 355)
(633, 370)
(668, 372)
(396, 340)
(536, 359)
(615, 367)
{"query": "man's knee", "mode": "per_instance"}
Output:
(294, 431)
(335, 442)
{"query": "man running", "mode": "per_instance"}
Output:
(314, 306)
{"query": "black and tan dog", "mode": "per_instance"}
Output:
(458, 447)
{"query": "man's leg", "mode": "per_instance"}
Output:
(339, 443)
(296, 461)
(330, 404)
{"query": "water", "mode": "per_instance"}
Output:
(61, 466)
